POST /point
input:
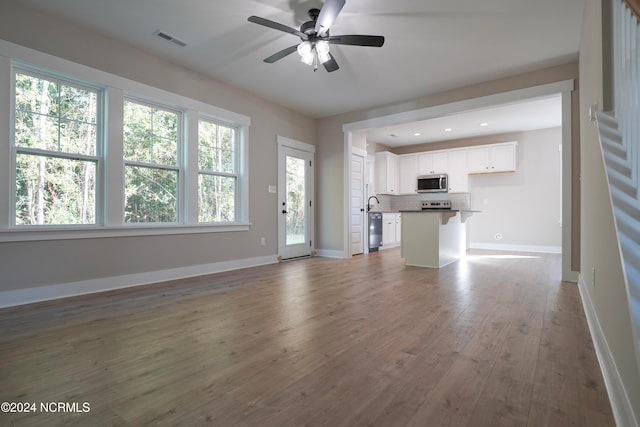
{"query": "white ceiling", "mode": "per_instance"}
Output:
(431, 45)
(533, 114)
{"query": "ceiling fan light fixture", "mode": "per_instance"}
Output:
(307, 58)
(322, 47)
(305, 50)
(323, 57)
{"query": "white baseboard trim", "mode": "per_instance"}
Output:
(620, 403)
(517, 248)
(391, 246)
(328, 253)
(45, 293)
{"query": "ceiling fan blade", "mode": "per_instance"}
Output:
(277, 26)
(357, 40)
(328, 13)
(331, 64)
(279, 55)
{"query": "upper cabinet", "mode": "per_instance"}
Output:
(397, 175)
(408, 173)
(492, 158)
(457, 171)
(387, 173)
(430, 163)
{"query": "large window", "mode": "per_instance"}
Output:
(89, 154)
(151, 141)
(56, 151)
(218, 172)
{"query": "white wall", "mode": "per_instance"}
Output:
(522, 206)
(599, 248)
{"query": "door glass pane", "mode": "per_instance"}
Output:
(296, 221)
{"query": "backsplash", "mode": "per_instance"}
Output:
(412, 202)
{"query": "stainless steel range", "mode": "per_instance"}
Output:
(426, 205)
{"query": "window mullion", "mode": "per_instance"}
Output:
(113, 166)
(190, 164)
(7, 162)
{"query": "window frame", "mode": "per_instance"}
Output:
(109, 197)
(97, 158)
(236, 175)
(179, 166)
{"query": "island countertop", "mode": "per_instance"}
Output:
(438, 210)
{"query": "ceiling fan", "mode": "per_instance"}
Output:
(315, 39)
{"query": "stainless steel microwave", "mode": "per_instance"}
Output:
(433, 183)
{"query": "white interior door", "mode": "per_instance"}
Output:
(295, 202)
(357, 204)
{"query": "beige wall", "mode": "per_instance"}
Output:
(331, 209)
(30, 264)
(599, 246)
(523, 206)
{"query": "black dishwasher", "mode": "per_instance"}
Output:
(375, 231)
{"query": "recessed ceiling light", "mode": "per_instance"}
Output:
(484, 124)
(416, 134)
(448, 130)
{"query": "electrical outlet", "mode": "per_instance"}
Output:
(263, 241)
(498, 236)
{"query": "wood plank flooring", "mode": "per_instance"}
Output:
(493, 340)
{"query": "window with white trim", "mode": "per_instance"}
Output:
(151, 141)
(57, 150)
(89, 154)
(217, 172)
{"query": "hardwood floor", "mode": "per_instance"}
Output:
(494, 340)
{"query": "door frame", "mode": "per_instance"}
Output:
(570, 252)
(283, 144)
(364, 220)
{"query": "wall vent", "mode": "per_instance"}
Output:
(170, 38)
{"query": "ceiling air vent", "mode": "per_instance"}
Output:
(170, 38)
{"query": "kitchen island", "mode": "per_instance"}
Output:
(433, 238)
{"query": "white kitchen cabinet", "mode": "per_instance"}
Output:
(387, 173)
(431, 163)
(408, 173)
(493, 158)
(457, 171)
(391, 229)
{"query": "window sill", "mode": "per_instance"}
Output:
(24, 234)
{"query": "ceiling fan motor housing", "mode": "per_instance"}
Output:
(309, 27)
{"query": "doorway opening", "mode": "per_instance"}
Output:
(564, 88)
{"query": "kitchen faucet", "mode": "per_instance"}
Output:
(369, 205)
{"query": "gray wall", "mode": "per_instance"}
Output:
(523, 206)
(599, 246)
(30, 264)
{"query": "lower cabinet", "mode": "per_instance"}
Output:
(391, 230)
